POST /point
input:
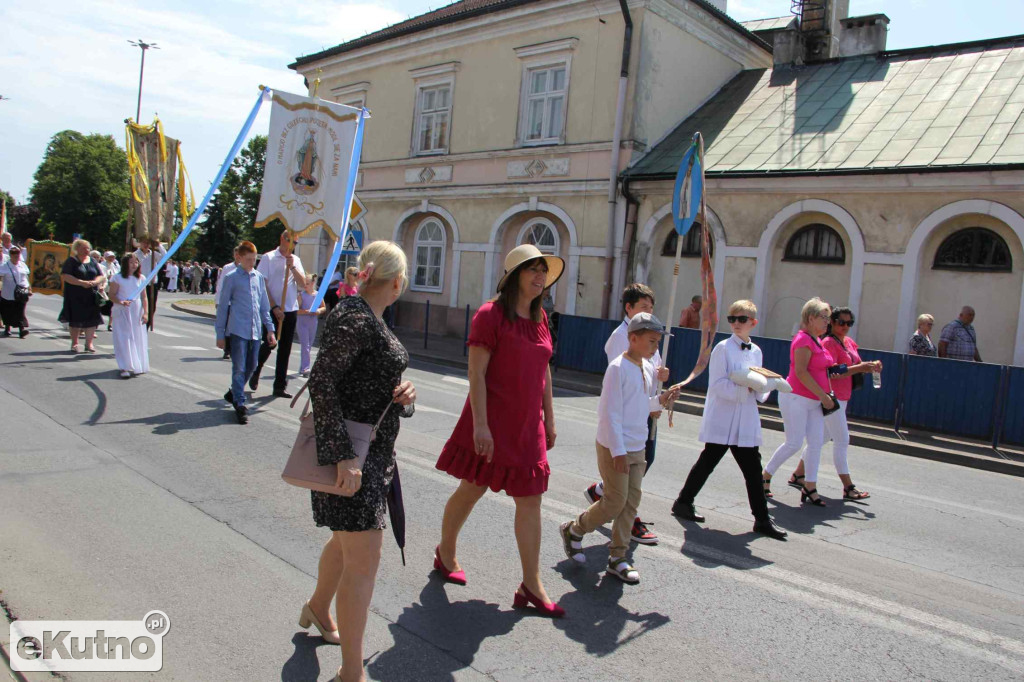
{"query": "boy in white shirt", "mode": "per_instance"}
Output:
(636, 298)
(731, 422)
(629, 394)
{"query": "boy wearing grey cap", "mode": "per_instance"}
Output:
(629, 394)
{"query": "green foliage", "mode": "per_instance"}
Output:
(250, 167)
(23, 222)
(82, 186)
(11, 203)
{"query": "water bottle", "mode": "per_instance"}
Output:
(876, 379)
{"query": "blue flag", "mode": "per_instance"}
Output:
(688, 190)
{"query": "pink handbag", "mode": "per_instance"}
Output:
(304, 470)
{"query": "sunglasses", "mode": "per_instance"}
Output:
(843, 323)
(742, 319)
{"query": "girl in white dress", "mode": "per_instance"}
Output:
(131, 340)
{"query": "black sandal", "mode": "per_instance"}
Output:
(795, 482)
(850, 492)
(767, 487)
(811, 496)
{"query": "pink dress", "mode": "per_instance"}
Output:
(821, 360)
(516, 377)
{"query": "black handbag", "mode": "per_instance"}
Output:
(858, 381)
(21, 294)
(835, 404)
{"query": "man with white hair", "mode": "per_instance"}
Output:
(959, 340)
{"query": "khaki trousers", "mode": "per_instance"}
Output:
(622, 493)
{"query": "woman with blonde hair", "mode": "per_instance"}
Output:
(921, 341)
(500, 441)
(81, 306)
(803, 410)
(357, 376)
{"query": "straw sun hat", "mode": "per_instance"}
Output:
(528, 252)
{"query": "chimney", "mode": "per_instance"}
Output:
(816, 37)
(863, 35)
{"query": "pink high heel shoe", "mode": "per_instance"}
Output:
(457, 577)
(521, 601)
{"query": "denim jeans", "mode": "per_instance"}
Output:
(244, 356)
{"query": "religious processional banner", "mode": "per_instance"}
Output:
(156, 167)
(45, 260)
(307, 174)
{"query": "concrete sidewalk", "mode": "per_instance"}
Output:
(450, 352)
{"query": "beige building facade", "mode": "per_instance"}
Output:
(494, 127)
(888, 181)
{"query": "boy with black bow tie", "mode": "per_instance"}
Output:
(731, 422)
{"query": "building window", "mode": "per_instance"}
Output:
(691, 243)
(544, 107)
(433, 116)
(974, 248)
(817, 244)
(429, 256)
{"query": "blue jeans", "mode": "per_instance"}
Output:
(244, 357)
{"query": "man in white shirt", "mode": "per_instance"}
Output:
(731, 422)
(636, 298)
(172, 277)
(6, 240)
(149, 253)
(279, 266)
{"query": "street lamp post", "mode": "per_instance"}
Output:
(142, 67)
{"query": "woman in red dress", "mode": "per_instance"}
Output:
(508, 423)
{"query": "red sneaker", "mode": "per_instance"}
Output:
(591, 494)
(641, 534)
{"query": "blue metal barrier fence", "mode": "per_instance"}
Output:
(945, 396)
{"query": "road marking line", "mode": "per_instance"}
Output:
(456, 380)
(170, 335)
(424, 408)
(190, 348)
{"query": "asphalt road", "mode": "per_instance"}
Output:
(118, 497)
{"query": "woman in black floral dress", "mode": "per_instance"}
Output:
(357, 376)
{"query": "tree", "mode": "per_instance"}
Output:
(9, 200)
(221, 226)
(82, 186)
(250, 165)
(23, 222)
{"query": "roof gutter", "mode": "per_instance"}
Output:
(613, 170)
(835, 172)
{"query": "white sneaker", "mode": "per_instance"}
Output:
(125, 374)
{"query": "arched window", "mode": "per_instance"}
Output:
(429, 256)
(974, 248)
(691, 243)
(816, 243)
(542, 235)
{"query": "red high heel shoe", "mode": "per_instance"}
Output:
(457, 577)
(547, 609)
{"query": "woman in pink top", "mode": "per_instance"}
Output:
(844, 351)
(350, 287)
(802, 415)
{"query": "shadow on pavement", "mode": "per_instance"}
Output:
(170, 423)
(802, 518)
(710, 548)
(457, 628)
(303, 665)
(594, 617)
(226, 361)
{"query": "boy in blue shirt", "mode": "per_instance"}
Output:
(243, 313)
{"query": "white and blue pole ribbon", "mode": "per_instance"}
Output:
(265, 94)
(350, 190)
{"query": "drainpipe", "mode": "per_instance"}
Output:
(632, 213)
(613, 173)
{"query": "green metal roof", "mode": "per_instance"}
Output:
(933, 108)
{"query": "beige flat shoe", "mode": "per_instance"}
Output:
(306, 618)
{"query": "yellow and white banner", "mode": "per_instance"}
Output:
(306, 177)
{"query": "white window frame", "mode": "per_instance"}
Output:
(417, 243)
(352, 95)
(426, 78)
(552, 55)
(527, 228)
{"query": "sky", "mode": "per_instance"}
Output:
(68, 65)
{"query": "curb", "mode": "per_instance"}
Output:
(192, 310)
(693, 404)
(5, 653)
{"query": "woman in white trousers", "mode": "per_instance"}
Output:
(802, 415)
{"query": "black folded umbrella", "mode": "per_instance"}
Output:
(396, 511)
